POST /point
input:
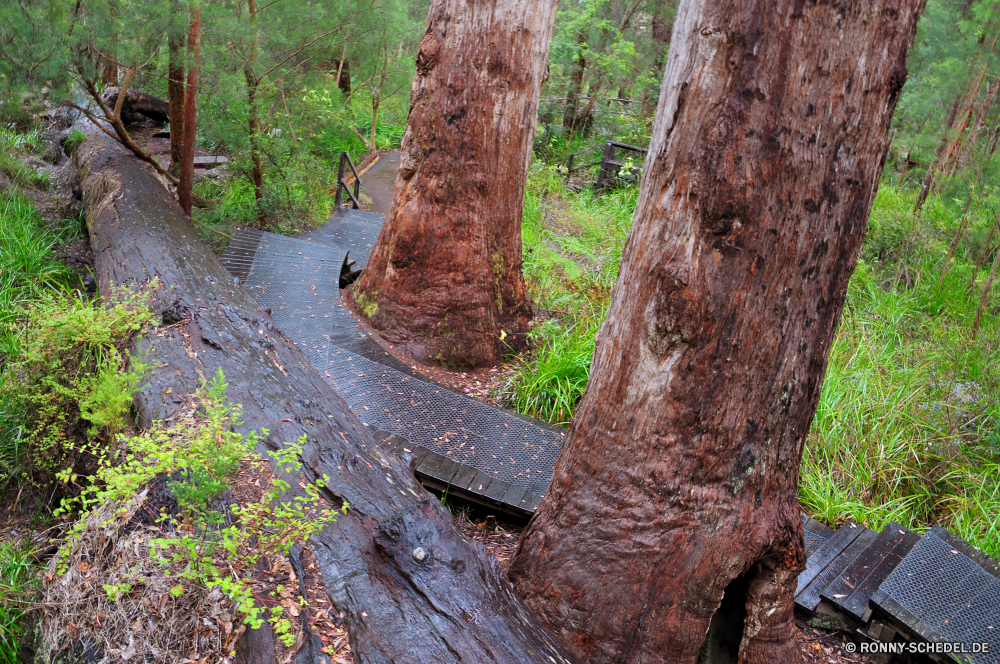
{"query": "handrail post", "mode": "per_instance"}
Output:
(569, 165)
(339, 200)
(609, 153)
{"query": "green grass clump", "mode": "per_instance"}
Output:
(73, 141)
(14, 145)
(550, 385)
(18, 581)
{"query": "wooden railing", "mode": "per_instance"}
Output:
(611, 166)
(345, 160)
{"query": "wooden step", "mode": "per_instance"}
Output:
(808, 597)
(852, 589)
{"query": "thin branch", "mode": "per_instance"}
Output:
(628, 16)
(122, 90)
(299, 50)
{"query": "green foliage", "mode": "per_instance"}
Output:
(14, 147)
(205, 454)
(572, 246)
(213, 455)
(73, 141)
(906, 425)
(18, 582)
(29, 274)
(72, 367)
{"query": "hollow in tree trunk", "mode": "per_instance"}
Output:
(190, 108)
(175, 98)
(444, 280)
(671, 530)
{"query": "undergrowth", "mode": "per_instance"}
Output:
(203, 551)
(72, 379)
(908, 424)
(18, 583)
(14, 146)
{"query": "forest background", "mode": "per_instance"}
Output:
(908, 425)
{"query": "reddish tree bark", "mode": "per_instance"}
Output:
(671, 531)
(175, 97)
(444, 280)
(190, 108)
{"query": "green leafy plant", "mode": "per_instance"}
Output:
(73, 368)
(205, 453)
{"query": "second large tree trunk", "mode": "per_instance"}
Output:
(671, 531)
(444, 280)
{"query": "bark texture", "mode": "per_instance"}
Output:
(444, 280)
(671, 530)
(446, 604)
(184, 193)
(175, 99)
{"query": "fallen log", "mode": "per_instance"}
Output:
(412, 589)
(139, 108)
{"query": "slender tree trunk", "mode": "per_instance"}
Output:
(444, 280)
(253, 122)
(575, 90)
(175, 97)
(344, 74)
(671, 530)
(957, 136)
(190, 108)
(376, 102)
(932, 169)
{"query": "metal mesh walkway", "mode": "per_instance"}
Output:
(509, 458)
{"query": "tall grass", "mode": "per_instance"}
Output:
(29, 271)
(13, 145)
(17, 582)
(572, 248)
(908, 424)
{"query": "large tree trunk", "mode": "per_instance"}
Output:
(448, 604)
(671, 531)
(184, 193)
(175, 98)
(444, 280)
